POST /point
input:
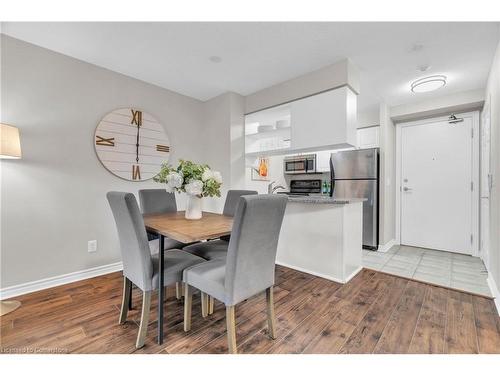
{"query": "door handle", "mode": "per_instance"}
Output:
(407, 189)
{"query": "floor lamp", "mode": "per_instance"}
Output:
(10, 148)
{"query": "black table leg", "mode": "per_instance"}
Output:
(160, 289)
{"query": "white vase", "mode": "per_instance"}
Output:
(193, 207)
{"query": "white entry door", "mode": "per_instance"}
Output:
(436, 185)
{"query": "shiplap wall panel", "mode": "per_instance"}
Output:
(115, 142)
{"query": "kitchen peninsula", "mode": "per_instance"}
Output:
(322, 236)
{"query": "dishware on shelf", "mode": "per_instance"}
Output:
(265, 128)
(282, 124)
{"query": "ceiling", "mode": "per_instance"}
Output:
(177, 56)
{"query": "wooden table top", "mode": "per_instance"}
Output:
(175, 226)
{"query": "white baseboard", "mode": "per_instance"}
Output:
(385, 248)
(320, 274)
(494, 291)
(50, 282)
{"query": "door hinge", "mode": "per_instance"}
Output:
(472, 133)
(472, 186)
(471, 239)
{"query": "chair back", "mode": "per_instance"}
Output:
(157, 201)
(252, 248)
(134, 247)
(232, 199)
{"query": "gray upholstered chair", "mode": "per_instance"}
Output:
(139, 266)
(249, 266)
(232, 199)
(218, 248)
(159, 201)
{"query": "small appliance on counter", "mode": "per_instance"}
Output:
(355, 174)
(304, 187)
(300, 164)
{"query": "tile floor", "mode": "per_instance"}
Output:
(456, 271)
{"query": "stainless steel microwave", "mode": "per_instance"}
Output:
(300, 164)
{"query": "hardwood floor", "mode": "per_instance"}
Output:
(373, 313)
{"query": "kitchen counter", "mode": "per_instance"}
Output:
(322, 236)
(322, 199)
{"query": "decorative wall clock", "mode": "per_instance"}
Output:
(131, 144)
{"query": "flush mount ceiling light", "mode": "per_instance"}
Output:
(427, 84)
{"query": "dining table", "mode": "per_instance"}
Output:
(174, 225)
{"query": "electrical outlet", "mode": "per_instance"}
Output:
(92, 246)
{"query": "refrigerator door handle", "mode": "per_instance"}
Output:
(332, 177)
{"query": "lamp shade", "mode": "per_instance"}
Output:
(10, 147)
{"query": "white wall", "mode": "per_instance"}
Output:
(463, 101)
(275, 174)
(492, 94)
(387, 223)
(368, 118)
(224, 143)
(332, 76)
(237, 136)
(216, 143)
(53, 199)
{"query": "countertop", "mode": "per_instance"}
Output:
(321, 199)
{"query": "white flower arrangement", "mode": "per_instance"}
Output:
(191, 178)
(175, 180)
(209, 174)
(195, 187)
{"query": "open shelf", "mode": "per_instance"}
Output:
(279, 151)
(277, 133)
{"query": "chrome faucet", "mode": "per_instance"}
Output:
(271, 189)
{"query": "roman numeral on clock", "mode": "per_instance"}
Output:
(162, 148)
(136, 172)
(101, 141)
(136, 118)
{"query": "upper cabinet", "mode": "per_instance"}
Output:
(368, 137)
(326, 120)
(323, 121)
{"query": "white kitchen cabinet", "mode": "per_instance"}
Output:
(326, 120)
(368, 137)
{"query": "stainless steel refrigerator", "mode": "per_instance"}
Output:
(355, 174)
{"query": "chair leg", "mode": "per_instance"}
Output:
(231, 329)
(143, 327)
(204, 304)
(271, 318)
(188, 304)
(178, 289)
(211, 303)
(127, 285)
